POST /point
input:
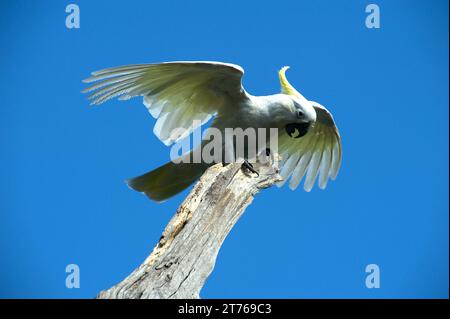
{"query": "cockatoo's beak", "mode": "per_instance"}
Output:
(297, 130)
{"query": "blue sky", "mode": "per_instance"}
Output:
(63, 163)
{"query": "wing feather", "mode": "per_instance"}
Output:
(317, 155)
(325, 167)
(300, 170)
(176, 93)
(313, 167)
(288, 167)
(336, 161)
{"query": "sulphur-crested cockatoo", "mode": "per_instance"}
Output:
(189, 94)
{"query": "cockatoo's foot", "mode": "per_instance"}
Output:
(249, 166)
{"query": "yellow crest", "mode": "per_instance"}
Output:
(286, 87)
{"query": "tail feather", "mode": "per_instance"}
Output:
(167, 180)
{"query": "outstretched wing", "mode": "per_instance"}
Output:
(179, 94)
(318, 153)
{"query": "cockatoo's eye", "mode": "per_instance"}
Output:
(300, 114)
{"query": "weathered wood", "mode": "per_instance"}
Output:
(186, 252)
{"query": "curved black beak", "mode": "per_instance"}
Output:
(297, 130)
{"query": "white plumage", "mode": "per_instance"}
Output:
(179, 94)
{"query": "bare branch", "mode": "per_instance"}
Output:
(186, 253)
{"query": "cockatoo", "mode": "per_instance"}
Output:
(188, 94)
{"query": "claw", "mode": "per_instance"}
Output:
(250, 167)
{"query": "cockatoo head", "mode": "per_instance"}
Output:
(298, 113)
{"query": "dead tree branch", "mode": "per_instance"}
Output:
(186, 252)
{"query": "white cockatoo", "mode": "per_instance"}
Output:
(188, 94)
